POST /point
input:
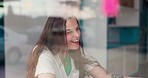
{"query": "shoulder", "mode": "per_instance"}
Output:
(45, 62)
(46, 53)
(84, 51)
(44, 49)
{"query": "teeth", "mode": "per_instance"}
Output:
(76, 41)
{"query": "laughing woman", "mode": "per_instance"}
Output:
(59, 53)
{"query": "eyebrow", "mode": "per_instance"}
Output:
(68, 29)
(72, 29)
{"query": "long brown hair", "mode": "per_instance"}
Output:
(79, 57)
(54, 37)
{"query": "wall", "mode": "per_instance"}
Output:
(96, 31)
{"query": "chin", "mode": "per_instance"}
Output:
(74, 48)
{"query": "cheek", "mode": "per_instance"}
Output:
(68, 38)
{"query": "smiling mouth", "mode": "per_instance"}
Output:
(75, 41)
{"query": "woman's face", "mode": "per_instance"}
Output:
(72, 34)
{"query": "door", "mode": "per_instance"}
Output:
(127, 3)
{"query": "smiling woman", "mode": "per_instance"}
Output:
(59, 53)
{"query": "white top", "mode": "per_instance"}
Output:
(48, 63)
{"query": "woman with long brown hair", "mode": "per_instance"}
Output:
(59, 53)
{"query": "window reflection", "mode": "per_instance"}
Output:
(26, 18)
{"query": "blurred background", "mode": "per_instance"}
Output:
(119, 43)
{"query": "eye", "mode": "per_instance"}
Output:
(68, 32)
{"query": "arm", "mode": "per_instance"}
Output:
(46, 75)
(99, 72)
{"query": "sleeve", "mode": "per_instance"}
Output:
(93, 63)
(45, 63)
